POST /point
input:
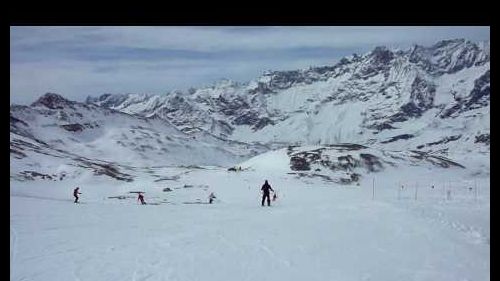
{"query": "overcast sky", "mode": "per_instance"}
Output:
(80, 61)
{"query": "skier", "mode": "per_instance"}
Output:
(211, 198)
(141, 198)
(265, 188)
(75, 194)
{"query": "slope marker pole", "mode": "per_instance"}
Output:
(444, 189)
(373, 189)
(399, 190)
(416, 190)
(475, 190)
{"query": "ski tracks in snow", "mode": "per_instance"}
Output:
(233, 246)
(471, 233)
(250, 250)
(271, 254)
(152, 265)
(41, 197)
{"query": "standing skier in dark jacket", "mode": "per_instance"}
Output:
(265, 189)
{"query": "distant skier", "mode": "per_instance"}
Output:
(211, 198)
(265, 189)
(141, 198)
(75, 194)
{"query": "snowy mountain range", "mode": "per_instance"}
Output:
(430, 100)
(54, 134)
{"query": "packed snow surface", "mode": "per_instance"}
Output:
(314, 231)
(411, 204)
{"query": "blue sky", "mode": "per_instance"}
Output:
(81, 61)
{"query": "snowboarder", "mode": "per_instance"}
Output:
(75, 194)
(265, 189)
(141, 198)
(211, 198)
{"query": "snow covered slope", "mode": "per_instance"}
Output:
(316, 230)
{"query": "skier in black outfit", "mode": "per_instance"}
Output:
(75, 194)
(211, 198)
(265, 188)
(140, 197)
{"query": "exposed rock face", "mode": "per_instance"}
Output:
(109, 170)
(484, 138)
(299, 163)
(52, 101)
(347, 163)
(73, 127)
(371, 162)
(442, 141)
(399, 137)
(422, 93)
(479, 97)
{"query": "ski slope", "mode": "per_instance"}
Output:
(314, 231)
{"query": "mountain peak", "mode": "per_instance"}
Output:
(52, 101)
(382, 54)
